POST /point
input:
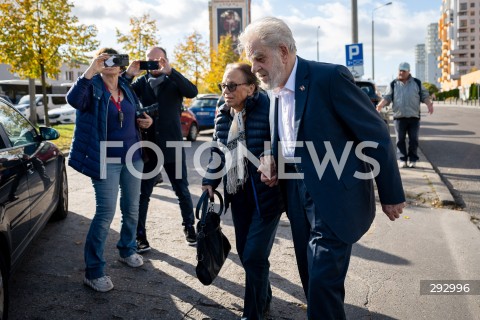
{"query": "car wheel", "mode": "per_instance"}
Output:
(192, 133)
(3, 288)
(62, 206)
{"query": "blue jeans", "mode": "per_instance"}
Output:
(179, 186)
(322, 258)
(254, 237)
(404, 126)
(106, 192)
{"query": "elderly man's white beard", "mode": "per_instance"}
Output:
(275, 76)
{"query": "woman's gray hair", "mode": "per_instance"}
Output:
(271, 32)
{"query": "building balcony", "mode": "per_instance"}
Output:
(459, 51)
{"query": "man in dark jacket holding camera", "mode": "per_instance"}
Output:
(167, 88)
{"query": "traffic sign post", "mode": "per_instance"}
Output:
(354, 54)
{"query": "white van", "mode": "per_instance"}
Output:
(54, 101)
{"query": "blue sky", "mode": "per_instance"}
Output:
(398, 27)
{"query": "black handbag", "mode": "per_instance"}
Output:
(212, 245)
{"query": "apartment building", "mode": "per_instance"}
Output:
(459, 32)
(433, 50)
(420, 62)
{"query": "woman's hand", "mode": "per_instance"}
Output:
(210, 190)
(145, 121)
(96, 66)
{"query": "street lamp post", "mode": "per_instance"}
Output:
(318, 50)
(373, 38)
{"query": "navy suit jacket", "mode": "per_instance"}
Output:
(333, 115)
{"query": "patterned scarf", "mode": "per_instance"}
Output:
(237, 174)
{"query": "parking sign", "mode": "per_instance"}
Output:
(354, 54)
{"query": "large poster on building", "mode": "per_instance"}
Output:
(228, 18)
(229, 22)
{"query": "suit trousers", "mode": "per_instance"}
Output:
(179, 186)
(322, 257)
(254, 237)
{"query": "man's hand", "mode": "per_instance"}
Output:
(268, 171)
(145, 121)
(393, 211)
(133, 69)
(164, 66)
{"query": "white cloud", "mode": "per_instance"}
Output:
(398, 28)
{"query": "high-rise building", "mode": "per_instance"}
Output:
(420, 62)
(227, 17)
(432, 53)
(459, 31)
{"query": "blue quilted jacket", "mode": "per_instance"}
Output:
(91, 98)
(257, 131)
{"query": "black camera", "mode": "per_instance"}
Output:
(117, 60)
(149, 65)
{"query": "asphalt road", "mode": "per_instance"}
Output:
(383, 281)
(450, 139)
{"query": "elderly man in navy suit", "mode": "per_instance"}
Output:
(327, 136)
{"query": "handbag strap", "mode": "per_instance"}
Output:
(203, 205)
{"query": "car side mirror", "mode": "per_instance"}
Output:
(49, 133)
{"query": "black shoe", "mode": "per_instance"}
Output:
(158, 179)
(190, 235)
(143, 245)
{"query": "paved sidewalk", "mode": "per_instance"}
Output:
(383, 282)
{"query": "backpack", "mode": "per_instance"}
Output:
(417, 81)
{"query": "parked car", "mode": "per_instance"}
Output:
(203, 106)
(370, 89)
(6, 98)
(189, 125)
(54, 101)
(33, 189)
(64, 114)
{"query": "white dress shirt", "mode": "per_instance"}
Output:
(286, 115)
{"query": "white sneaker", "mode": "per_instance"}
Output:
(134, 261)
(412, 164)
(402, 164)
(102, 284)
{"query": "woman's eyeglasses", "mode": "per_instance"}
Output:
(231, 86)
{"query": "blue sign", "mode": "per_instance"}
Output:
(354, 53)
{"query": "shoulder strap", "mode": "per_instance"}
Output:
(392, 87)
(417, 81)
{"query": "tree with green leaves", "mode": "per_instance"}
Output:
(143, 35)
(191, 58)
(219, 60)
(39, 35)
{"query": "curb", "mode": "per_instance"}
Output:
(445, 197)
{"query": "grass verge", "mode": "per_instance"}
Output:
(66, 134)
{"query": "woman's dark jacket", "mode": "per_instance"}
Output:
(91, 99)
(257, 132)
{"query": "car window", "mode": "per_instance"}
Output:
(59, 100)
(204, 103)
(18, 130)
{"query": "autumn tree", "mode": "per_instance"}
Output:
(143, 35)
(191, 58)
(224, 55)
(39, 35)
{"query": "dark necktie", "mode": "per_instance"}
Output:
(275, 130)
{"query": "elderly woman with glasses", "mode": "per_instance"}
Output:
(242, 124)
